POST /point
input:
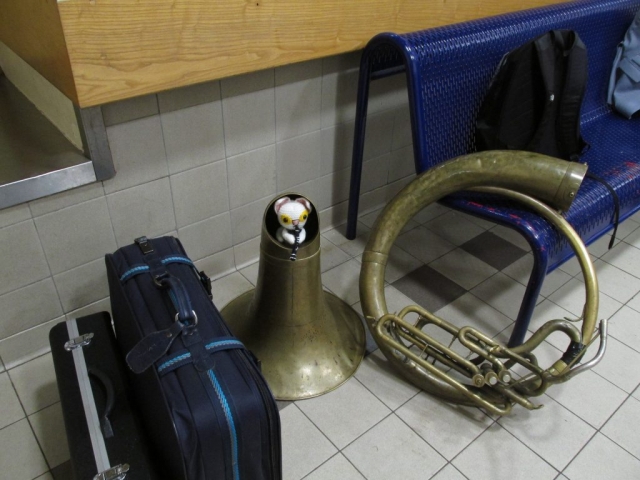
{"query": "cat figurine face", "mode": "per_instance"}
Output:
(292, 214)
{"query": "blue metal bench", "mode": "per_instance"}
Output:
(448, 72)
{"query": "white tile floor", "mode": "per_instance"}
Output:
(377, 426)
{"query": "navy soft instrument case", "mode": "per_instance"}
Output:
(207, 408)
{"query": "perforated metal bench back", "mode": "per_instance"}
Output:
(449, 70)
(452, 66)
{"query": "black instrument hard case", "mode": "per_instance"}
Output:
(207, 408)
(106, 439)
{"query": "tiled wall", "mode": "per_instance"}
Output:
(201, 163)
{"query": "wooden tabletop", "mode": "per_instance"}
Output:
(99, 51)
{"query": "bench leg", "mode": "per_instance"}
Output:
(358, 146)
(538, 274)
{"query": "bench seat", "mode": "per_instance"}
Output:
(448, 72)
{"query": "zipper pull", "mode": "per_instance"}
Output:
(206, 283)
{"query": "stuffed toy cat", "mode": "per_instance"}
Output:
(292, 216)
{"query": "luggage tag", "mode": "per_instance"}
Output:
(154, 346)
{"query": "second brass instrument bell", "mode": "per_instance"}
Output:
(481, 376)
(308, 340)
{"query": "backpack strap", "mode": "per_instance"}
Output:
(568, 136)
(570, 144)
(543, 137)
(545, 48)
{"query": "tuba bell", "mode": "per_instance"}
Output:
(308, 340)
(483, 377)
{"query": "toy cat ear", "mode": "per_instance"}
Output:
(280, 202)
(305, 202)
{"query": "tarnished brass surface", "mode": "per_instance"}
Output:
(308, 341)
(481, 378)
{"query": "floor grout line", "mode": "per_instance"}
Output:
(607, 421)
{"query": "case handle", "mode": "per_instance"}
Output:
(107, 385)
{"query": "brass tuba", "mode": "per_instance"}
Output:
(483, 377)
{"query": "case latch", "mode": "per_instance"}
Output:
(119, 472)
(78, 342)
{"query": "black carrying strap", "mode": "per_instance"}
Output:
(145, 245)
(544, 137)
(562, 59)
(545, 48)
(570, 142)
(109, 392)
(179, 297)
(568, 136)
(616, 205)
(164, 280)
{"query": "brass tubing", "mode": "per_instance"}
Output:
(488, 354)
(579, 248)
(498, 351)
(517, 398)
(594, 361)
(429, 341)
(429, 351)
(428, 315)
(425, 338)
(472, 397)
(553, 181)
(571, 371)
(544, 331)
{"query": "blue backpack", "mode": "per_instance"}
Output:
(624, 84)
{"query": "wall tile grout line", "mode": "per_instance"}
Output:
(26, 418)
(44, 253)
(226, 161)
(20, 419)
(35, 226)
(45, 278)
(33, 432)
(164, 146)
